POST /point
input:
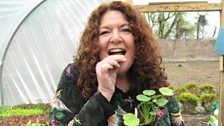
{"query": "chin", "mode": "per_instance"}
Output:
(122, 71)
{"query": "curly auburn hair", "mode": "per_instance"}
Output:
(145, 73)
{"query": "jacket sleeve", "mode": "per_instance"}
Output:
(68, 107)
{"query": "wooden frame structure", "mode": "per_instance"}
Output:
(178, 6)
(221, 87)
(188, 7)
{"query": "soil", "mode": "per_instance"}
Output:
(196, 120)
(199, 72)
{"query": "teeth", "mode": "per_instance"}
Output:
(117, 52)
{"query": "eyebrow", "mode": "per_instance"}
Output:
(108, 26)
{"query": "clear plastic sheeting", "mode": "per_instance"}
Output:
(43, 45)
(11, 14)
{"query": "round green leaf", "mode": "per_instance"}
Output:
(166, 91)
(155, 96)
(142, 98)
(161, 102)
(149, 92)
(131, 120)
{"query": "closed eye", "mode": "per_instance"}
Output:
(104, 32)
(126, 30)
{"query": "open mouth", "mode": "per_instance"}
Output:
(117, 52)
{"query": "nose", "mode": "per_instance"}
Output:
(116, 37)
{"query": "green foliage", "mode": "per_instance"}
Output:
(207, 88)
(189, 101)
(44, 106)
(190, 94)
(21, 112)
(25, 115)
(176, 25)
(3, 108)
(207, 100)
(180, 89)
(196, 89)
(150, 102)
(33, 124)
(188, 98)
(192, 87)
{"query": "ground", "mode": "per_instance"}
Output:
(195, 71)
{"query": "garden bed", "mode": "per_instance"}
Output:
(196, 119)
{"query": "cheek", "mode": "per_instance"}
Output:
(102, 43)
(103, 55)
(103, 51)
(103, 46)
(132, 46)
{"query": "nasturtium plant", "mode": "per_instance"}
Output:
(150, 105)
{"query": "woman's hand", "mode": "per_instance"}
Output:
(106, 71)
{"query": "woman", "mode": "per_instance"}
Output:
(117, 59)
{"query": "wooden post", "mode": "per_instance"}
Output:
(221, 92)
(221, 73)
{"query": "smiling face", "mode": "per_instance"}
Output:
(116, 38)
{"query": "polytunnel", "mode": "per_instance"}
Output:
(38, 38)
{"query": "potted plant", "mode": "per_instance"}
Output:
(149, 107)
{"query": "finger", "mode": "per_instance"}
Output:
(106, 66)
(102, 68)
(118, 58)
(111, 62)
